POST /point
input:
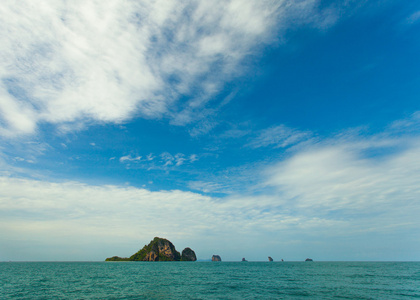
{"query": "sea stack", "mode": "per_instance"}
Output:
(159, 249)
(270, 259)
(188, 255)
(216, 258)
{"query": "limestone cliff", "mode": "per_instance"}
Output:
(158, 249)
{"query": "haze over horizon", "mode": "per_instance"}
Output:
(254, 128)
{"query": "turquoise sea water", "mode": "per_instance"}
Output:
(209, 280)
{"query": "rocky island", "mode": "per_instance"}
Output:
(159, 249)
(188, 255)
(216, 258)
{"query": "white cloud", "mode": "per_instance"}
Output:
(346, 188)
(180, 159)
(130, 158)
(68, 215)
(71, 63)
(193, 158)
(354, 178)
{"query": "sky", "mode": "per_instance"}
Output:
(253, 128)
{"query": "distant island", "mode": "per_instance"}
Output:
(159, 249)
(216, 258)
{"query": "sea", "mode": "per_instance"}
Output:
(209, 280)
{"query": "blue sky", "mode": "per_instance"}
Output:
(241, 128)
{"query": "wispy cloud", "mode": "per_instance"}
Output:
(71, 63)
(278, 137)
(413, 18)
(353, 175)
(235, 132)
(193, 157)
(207, 187)
(167, 159)
(23, 151)
(408, 125)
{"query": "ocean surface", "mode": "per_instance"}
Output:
(209, 280)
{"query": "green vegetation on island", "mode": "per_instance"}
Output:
(159, 249)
